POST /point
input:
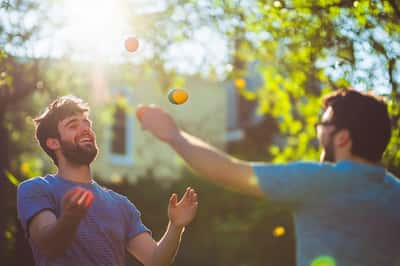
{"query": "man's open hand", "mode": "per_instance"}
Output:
(182, 213)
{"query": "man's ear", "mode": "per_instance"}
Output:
(342, 138)
(52, 143)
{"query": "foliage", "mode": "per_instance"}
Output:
(304, 50)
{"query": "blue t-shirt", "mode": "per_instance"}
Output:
(102, 236)
(347, 214)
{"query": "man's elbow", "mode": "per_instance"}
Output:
(156, 261)
(50, 254)
(50, 251)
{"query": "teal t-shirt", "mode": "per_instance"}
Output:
(347, 214)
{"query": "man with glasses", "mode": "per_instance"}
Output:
(345, 206)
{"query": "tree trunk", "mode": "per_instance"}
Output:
(4, 184)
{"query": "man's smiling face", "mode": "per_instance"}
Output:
(77, 139)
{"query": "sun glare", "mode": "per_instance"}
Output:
(94, 27)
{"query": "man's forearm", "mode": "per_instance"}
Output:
(55, 238)
(167, 247)
(210, 162)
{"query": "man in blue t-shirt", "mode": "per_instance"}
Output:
(346, 207)
(71, 220)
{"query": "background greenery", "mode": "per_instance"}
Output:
(303, 49)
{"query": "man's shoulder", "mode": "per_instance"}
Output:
(36, 182)
(111, 193)
(296, 166)
(392, 180)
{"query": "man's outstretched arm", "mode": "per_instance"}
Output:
(206, 160)
(163, 252)
(216, 165)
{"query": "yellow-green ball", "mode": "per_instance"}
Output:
(178, 96)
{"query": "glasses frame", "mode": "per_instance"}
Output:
(324, 124)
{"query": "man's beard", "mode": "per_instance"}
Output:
(77, 154)
(328, 154)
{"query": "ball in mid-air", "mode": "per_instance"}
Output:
(131, 44)
(240, 83)
(177, 96)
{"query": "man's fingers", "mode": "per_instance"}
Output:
(83, 197)
(173, 199)
(69, 194)
(89, 199)
(187, 192)
(72, 192)
(194, 196)
(86, 199)
(140, 109)
(77, 193)
(79, 197)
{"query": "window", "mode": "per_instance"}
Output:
(118, 144)
(120, 133)
(242, 113)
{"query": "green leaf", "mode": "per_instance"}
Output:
(13, 180)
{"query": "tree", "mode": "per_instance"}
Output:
(307, 49)
(20, 76)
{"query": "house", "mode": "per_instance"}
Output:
(248, 132)
(128, 152)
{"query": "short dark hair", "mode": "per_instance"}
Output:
(58, 110)
(366, 117)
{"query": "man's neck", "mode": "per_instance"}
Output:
(76, 173)
(353, 158)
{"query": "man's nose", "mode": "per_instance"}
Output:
(85, 128)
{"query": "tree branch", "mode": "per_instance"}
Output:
(395, 8)
(22, 86)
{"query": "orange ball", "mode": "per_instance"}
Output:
(178, 96)
(131, 44)
(279, 231)
(240, 83)
(139, 112)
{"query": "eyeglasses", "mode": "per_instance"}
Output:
(324, 124)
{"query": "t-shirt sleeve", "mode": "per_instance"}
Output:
(33, 197)
(294, 183)
(134, 222)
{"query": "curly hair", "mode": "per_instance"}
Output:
(58, 110)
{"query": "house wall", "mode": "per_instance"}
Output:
(203, 115)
